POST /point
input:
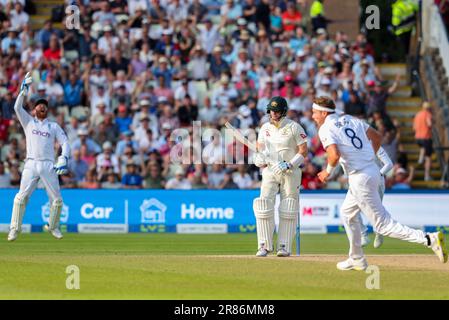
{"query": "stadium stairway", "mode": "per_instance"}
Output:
(43, 13)
(402, 106)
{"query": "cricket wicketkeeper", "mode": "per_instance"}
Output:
(39, 164)
(282, 146)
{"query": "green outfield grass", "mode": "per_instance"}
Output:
(174, 266)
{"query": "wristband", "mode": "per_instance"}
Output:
(297, 160)
(329, 168)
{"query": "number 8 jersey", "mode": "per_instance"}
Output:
(349, 134)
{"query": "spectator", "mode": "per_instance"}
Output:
(90, 181)
(111, 182)
(242, 179)
(422, 125)
(5, 178)
(179, 182)
(153, 177)
(109, 157)
(91, 146)
(77, 166)
(131, 179)
(402, 179)
(291, 18)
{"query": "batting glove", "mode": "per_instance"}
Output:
(282, 167)
(61, 165)
(26, 83)
(259, 159)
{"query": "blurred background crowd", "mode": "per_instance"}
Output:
(135, 70)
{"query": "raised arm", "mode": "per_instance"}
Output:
(23, 116)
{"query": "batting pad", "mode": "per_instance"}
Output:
(288, 212)
(18, 211)
(264, 212)
(55, 213)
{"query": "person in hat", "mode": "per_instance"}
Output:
(41, 136)
(179, 181)
(224, 92)
(282, 147)
(108, 156)
(217, 64)
(197, 66)
(132, 179)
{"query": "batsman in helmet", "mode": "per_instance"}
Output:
(282, 147)
(41, 135)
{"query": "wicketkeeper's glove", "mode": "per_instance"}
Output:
(61, 165)
(282, 167)
(27, 81)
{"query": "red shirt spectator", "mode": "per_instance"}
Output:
(291, 18)
(4, 126)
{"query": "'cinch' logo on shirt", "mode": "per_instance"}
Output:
(41, 133)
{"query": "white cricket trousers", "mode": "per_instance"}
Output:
(363, 195)
(43, 170)
(287, 184)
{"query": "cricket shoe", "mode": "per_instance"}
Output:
(282, 252)
(438, 246)
(365, 240)
(13, 234)
(378, 241)
(262, 252)
(54, 232)
(351, 264)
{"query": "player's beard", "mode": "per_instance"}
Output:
(41, 114)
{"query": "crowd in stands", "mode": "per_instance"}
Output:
(136, 70)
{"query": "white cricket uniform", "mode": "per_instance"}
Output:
(358, 159)
(385, 164)
(281, 143)
(40, 141)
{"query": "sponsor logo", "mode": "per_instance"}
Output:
(247, 228)
(153, 228)
(316, 211)
(153, 211)
(200, 213)
(41, 133)
(45, 211)
(89, 211)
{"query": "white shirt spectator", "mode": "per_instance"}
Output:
(5, 180)
(113, 159)
(209, 38)
(54, 89)
(198, 68)
(96, 99)
(221, 95)
(177, 13)
(19, 20)
(105, 47)
(181, 92)
(243, 182)
(176, 184)
(133, 5)
(30, 57)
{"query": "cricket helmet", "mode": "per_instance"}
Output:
(278, 104)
